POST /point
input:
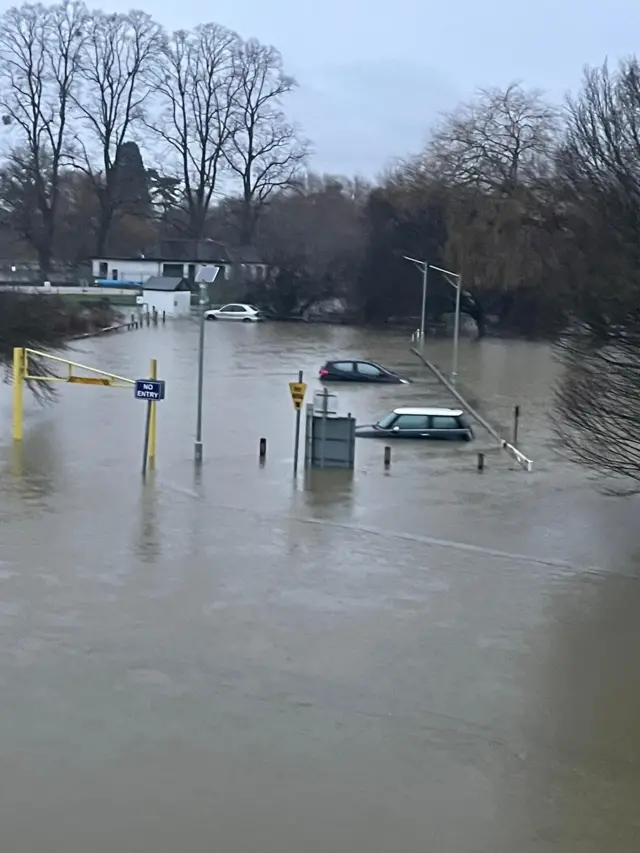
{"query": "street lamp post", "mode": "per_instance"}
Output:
(424, 267)
(457, 284)
(205, 277)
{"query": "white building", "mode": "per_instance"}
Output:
(181, 259)
(169, 295)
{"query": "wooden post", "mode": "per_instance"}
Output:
(387, 456)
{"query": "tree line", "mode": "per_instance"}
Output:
(82, 92)
(117, 132)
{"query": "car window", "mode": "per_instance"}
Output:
(368, 369)
(387, 421)
(442, 422)
(345, 366)
(411, 422)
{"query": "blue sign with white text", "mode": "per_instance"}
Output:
(149, 389)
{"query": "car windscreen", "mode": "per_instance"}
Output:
(387, 420)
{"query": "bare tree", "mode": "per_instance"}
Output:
(497, 143)
(265, 152)
(39, 59)
(115, 72)
(197, 85)
(491, 160)
(597, 404)
(597, 413)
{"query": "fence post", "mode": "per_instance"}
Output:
(19, 359)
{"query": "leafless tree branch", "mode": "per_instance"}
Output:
(266, 152)
(115, 75)
(196, 85)
(39, 60)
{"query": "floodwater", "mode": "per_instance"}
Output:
(419, 659)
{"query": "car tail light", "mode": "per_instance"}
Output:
(323, 372)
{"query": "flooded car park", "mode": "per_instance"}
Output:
(418, 658)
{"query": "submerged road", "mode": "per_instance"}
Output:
(419, 659)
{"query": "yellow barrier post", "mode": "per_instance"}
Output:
(18, 392)
(153, 374)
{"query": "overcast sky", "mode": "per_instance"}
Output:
(374, 74)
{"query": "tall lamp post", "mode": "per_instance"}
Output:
(455, 280)
(206, 275)
(423, 266)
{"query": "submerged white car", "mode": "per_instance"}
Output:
(235, 311)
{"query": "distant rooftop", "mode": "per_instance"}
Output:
(165, 283)
(195, 251)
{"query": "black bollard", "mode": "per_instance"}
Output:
(164, 317)
(263, 449)
(387, 456)
(516, 424)
(480, 462)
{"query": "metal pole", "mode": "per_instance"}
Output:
(456, 333)
(516, 423)
(296, 446)
(203, 303)
(423, 314)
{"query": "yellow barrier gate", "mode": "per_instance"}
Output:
(101, 378)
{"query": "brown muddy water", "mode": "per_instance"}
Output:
(420, 659)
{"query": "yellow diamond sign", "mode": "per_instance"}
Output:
(297, 390)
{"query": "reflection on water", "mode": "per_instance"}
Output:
(328, 493)
(227, 659)
(148, 535)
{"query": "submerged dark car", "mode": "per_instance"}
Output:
(449, 424)
(358, 371)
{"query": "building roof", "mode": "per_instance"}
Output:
(194, 252)
(165, 283)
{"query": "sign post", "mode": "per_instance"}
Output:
(151, 390)
(297, 391)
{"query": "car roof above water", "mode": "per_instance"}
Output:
(453, 413)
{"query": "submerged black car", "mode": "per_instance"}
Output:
(358, 371)
(420, 423)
